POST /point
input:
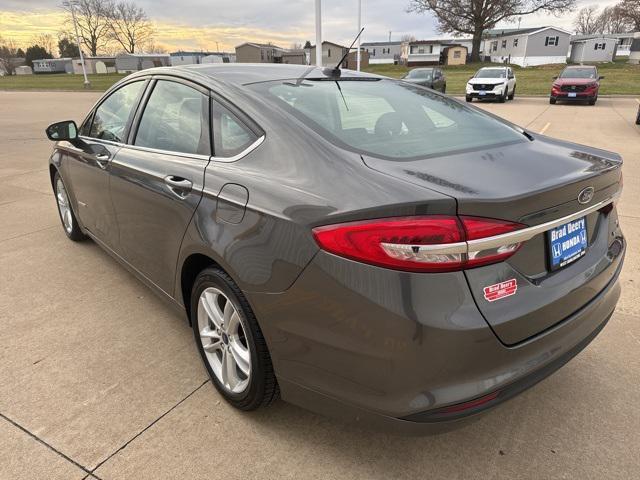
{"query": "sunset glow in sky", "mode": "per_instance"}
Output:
(199, 24)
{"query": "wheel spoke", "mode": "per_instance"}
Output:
(241, 356)
(228, 313)
(210, 304)
(229, 367)
(233, 324)
(213, 346)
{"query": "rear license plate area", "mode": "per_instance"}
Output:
(567, 243)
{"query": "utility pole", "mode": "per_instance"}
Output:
(359, 28)
(217, 47)
(72, 4)
(389, 36)
(318, 33)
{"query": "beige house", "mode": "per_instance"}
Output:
(454, 55)
(332, 53)
(259, 53)
(95, 65)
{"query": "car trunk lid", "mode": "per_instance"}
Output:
(531, 183)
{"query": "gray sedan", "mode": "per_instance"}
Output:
(431, 77)
(357, 245)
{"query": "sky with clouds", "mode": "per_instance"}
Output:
(199, 24)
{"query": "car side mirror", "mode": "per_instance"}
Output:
(601, 78)
(67, 130)
(555, 78)
(511, 77)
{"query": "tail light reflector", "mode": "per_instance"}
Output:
(435, 243)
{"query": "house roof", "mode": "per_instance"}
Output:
(584, 38)
(261, 45)
(379, 44)
(440, 41)
(525, 31)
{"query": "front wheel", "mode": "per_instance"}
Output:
(444, 88)
(638, 117)
(592, 101)
(230, 342)
(469, 98)
(503, 98)
(65, 210)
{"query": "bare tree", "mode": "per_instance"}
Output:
(613, 20)
(152, 47)
(473, 17)
(45, 40)
(94, 23)
(130, 26)
(407, 38)
(8, 56)
(588, 21)
(630, 9)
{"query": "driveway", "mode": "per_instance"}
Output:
(99, 379)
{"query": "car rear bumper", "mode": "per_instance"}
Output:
(402, 351)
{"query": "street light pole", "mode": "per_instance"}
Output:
(72, 5)
(318, 33)
(359, 28)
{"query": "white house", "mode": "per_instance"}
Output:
(383, 52)
(527, 46)
(593, 48)
(429, 52)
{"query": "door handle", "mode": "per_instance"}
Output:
(102, 159)
(178, 185)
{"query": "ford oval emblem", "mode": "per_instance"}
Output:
(586, 195)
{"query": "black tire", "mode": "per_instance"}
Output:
(75, 233)
(262, 389)
(503, 98)
(638, 117)
(444, 88)
(592, 101)
(513, 93)
(552, 100)
(468, 98)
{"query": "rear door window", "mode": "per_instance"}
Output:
(230, 136)
(111, 117)
(175, 119)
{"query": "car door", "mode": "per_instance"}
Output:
(511, 79)
(157, 178)
(90, 159)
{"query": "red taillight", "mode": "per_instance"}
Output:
(435, 243)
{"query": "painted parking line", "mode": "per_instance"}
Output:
(544, 129)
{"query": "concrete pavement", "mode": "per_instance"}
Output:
(100, 379)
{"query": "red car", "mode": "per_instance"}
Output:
(576, 83)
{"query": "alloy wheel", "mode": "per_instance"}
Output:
(223, 339)
(63, 206)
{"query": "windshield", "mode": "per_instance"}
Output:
(492, 73)
(386, 118)
(421, 74)
(578, 73)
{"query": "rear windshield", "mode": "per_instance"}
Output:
(387, 118)
(578, 73)
(419, 74)
(492, 73)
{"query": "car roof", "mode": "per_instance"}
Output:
(580, 67)
(247, 73)
(494, 68)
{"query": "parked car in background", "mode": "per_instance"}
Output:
(492, 82)
(431, 77)
(576, 83)
(365, 247)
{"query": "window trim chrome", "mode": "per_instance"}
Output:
(242, 154)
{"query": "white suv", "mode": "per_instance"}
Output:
(492, 82)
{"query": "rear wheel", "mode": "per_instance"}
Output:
(513, 93)
(67, 217)
(552, 100)
(230, 342)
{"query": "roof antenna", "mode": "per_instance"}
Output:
(335, 71)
